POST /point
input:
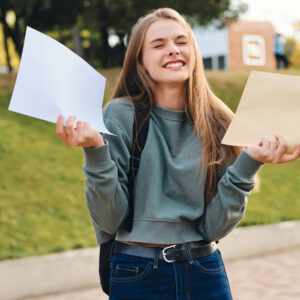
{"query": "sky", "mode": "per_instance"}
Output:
(282, 14)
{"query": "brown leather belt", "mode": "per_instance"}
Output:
(169, 254)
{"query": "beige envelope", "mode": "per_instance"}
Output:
(269, 106)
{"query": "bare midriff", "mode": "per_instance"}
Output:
(148, 244)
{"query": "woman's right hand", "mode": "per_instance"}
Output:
(81, 136)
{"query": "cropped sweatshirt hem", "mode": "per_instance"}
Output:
(158, 232)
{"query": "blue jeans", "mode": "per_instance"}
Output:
(139, 278)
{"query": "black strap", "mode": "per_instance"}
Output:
(139, 137)
(140, 132)
(104, 262)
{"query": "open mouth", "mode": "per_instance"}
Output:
(174, 64)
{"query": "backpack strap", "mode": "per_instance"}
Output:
(140, 132)
(139, 137)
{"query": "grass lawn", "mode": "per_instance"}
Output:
(42, 203)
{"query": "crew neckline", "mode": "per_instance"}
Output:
(177, 115)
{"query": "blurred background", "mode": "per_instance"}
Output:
(42, 203)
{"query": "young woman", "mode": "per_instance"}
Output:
(190, 190)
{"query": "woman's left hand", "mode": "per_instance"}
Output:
(273, 152)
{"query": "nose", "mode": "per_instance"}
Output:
(173, 49)
(172, 53)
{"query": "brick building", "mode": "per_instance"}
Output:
(240, 45)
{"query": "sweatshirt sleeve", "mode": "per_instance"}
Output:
(106, 170)
(228, 205)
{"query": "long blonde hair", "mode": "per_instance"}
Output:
(210, 116)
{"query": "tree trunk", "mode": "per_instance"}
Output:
(122, 49)
(77, 41)
(17, 34)
(14, 34)
(6, 50)
(3, 11)
(104, 47)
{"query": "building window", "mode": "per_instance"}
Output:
(221, 62)
(254, 53)
(207, 62)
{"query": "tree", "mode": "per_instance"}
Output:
(118, 17)
(102, 18)
(295, 56)
(42, 15)
(289, 46)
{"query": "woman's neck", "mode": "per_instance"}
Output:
(173, 98)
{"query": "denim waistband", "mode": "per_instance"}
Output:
(178, 252)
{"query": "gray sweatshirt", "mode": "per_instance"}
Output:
(169, 190)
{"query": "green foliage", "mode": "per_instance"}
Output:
(289, 46)
(101, 18)
(42, 203)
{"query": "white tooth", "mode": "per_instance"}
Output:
(174, 65)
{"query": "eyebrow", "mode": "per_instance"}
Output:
(161, 39)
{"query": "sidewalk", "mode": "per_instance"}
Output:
(271, 277)
(63, 273)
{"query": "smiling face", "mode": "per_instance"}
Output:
(166, 53)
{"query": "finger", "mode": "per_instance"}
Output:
(261, 142)
(70, 131)
(274, 146)
(87, 129)
(60, 128)
(79, 131)
(79, 128)
(265, 143)
(292, 156)
(282, 147)
(87, 126)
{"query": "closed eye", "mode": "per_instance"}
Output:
(158, 46)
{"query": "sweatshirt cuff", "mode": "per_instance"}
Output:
(99, 156)
(246, 166)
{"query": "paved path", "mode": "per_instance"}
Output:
(272, 277)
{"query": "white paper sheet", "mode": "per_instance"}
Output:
(53, 80)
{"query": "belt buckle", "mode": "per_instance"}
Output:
(164, 253)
